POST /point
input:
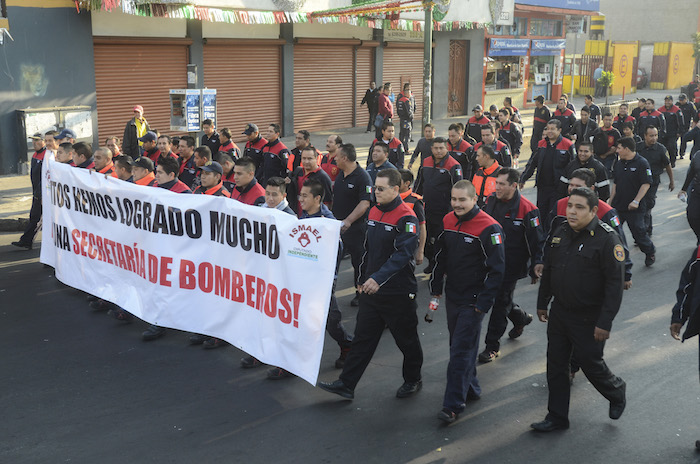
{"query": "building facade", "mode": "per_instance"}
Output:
(274, 67)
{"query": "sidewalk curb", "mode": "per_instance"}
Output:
(13, 225)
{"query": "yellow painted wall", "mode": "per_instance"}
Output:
(595, 47)
(566, 84)
(680, 65)
(623, 61)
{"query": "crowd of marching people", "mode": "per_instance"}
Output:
(460, 214)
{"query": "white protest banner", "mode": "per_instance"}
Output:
(256, 277)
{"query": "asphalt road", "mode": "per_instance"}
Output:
(78, 386)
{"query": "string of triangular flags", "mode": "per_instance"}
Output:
(160, 10)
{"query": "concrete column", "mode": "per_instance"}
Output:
(379, 57)
(196, 55)
(287, 123)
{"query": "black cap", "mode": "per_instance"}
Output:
(539, 98)
(682, 96)
(250, 129)
(212, 166)
(144, 162)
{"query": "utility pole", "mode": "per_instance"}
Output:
(427, 62)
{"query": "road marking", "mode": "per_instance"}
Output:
(18, 263)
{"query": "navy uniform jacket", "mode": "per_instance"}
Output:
(465, 155)
(524, 235)
(688, 298)
(602, 183)
(567, 119)
(254, 151)
(583, 272)
(689, 114)
(390, 243)
(274, 162)
(471, 253)
(675, 122)
(560, 154)
(501, 151)
(540, 120)
(512, 134)
(396, 152)
(474, 126)
(693, 135)
(651, 118)
(606, 214)
(436, 183)
(619, 120)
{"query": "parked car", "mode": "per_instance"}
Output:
(642, 78)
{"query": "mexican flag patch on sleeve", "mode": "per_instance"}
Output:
(496, 239)
(410, 228)
(534, 222)
(615, 221)
(369, 189)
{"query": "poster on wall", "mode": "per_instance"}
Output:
(193, 98)
(209, 105)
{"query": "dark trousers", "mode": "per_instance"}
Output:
(405, 135)
(671, 145)
(649, 201)
(503, 310)
(372, 115)
(567, 332)
(464, 325)
(684, 145)
(34, 218)
(635, 221)
(547, 197)
(353, 242)
(376, 312)
(693, 213)
(334, 324)
(433, 228)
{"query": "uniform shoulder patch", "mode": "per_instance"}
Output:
(606, 227)
(619, 252)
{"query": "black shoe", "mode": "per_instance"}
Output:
(355, 301)
(26, 246)
(409, 389)
(250, 362)
(487, 355)
(152, 333)
(98, 305)
(548, 426)
(650, 260)
(447, 416)
(337, 387)
(340, 362)
(697, 445)
(197, 339)
(428, 269)
(211, 343)
(517, 330)
(120, 315)
(277, 373)
(616, 409)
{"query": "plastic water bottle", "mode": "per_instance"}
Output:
(432, 307)
(683, 197)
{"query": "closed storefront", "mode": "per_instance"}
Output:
(364, 75)
(323, 90)
(403, 62)
(247, 77)
(131, 72)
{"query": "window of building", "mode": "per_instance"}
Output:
(546, 27)
(518, 28)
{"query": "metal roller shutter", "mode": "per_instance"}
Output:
(248, 83)
(323, 92)
(137, 74)
(364, 75)
(403, 65)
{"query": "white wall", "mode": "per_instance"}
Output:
(650, 20)
(335, 31)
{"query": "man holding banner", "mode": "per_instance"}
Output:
(388, 291)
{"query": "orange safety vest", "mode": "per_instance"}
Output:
(485, 181)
